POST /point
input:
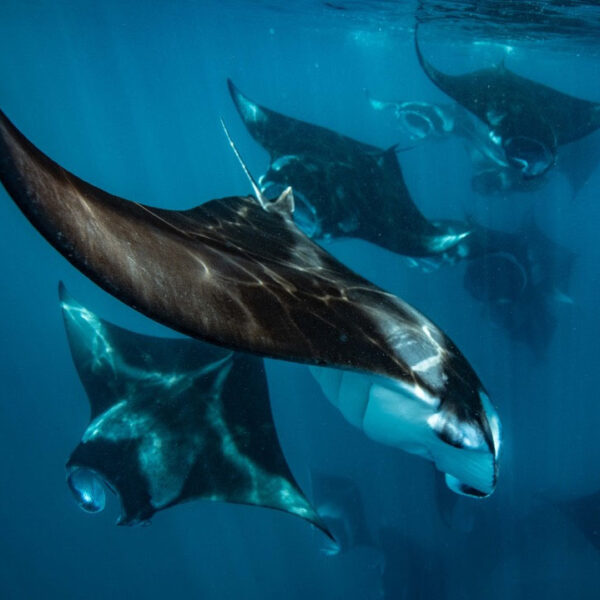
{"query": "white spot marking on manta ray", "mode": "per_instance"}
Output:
(101, 348)
(420, 348)
(430, 362)
(251, 111)
(164, 459)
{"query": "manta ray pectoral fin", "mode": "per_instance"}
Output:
(173, 420)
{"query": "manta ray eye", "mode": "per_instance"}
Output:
(528, 155)
(88, 489)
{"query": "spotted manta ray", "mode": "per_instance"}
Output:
(173, 420)
(527, 119)
(239, 273)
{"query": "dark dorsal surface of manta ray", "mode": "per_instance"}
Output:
(173, 420)
(239, 273)
(343, 187)
(527, 119)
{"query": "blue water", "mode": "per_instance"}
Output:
(129, 98)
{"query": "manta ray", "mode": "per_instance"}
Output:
(421, 121)
(526, 119)
(173, 420)
(343, 188)
(519, 277)
(237, 272)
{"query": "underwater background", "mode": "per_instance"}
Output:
(129, 97)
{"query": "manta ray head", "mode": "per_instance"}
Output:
(531, 156)
(422, 120)
(439, 411)
(528, 141)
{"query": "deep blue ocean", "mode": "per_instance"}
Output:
(129, 96)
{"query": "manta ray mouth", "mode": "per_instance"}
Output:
(416, 124)
(422, 120)
(87, 487)
(406, 416)
(528, 155)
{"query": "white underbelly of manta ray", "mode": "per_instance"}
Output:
(407, 417)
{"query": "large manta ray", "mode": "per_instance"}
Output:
(420, 121)
(173, 420)
(528, 120)
(239, 273)
(343, 187)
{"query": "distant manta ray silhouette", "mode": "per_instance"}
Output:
(239, 273)
(173, 420)
(527, 119)
(422, 121)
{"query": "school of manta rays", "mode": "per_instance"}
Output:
(245, 278)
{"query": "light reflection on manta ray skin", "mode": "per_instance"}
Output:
(307, 308)
(171, 421)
